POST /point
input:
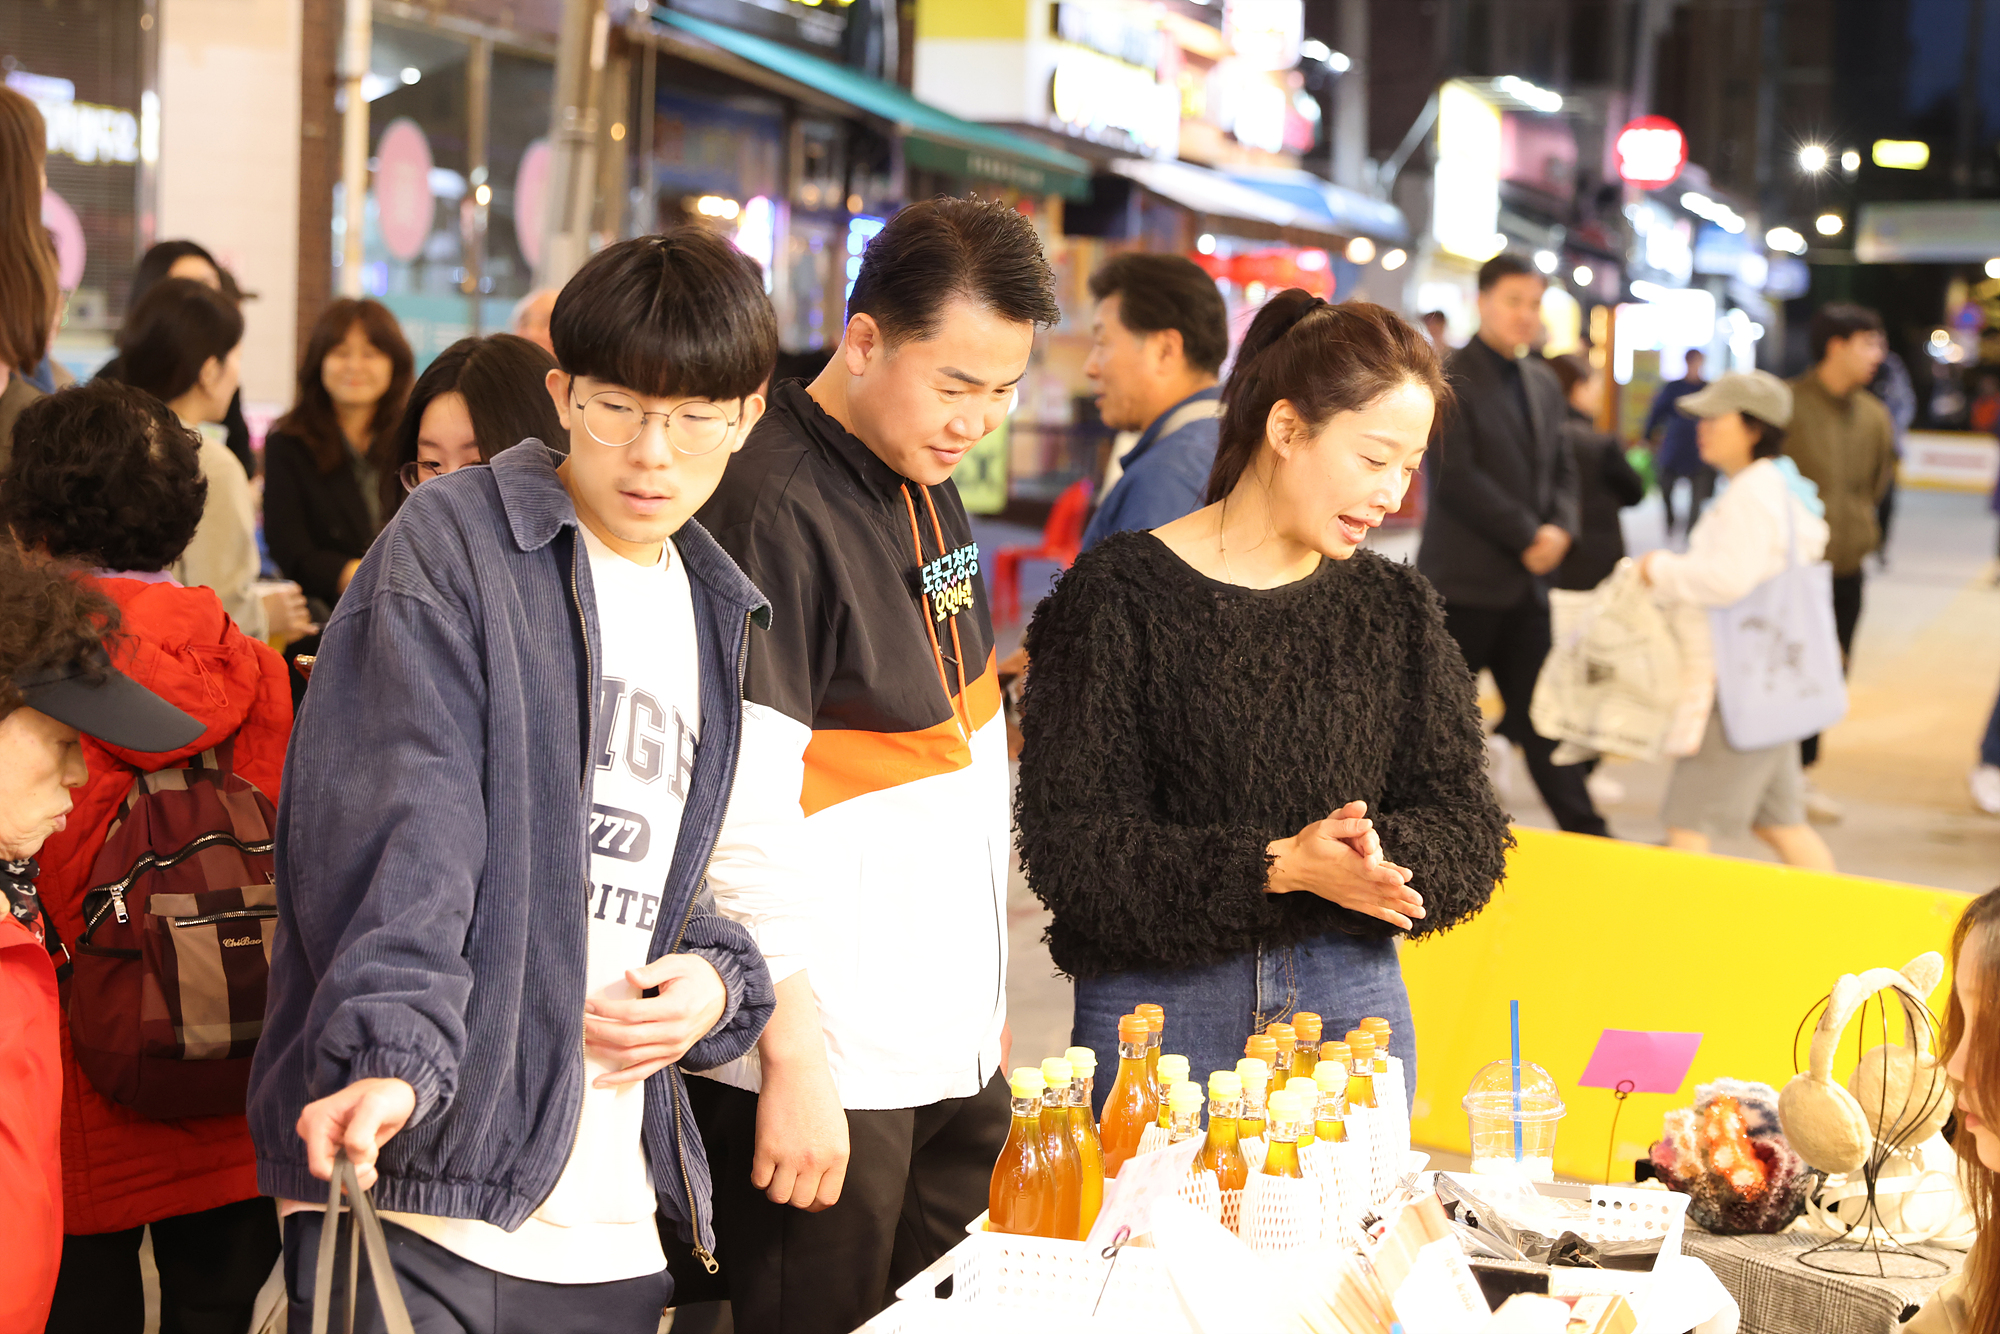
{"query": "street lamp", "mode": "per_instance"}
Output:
(1583, 276)
(1786, 239)
(1546, 261)
(1394, 260)
(1828, 224)
(1360, 250)
(1993, 268)
(1813, 158)
(1850, 161)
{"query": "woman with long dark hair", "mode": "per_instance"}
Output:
(323, 460)
(1253, 756)
(29, 297)
(190, 259)
(480, 396)
(1970, 1300)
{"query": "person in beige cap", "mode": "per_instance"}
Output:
(1745, 538)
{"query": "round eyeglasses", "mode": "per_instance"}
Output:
(616, 419)
(410, 474)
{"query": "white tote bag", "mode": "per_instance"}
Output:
(1613, 674)
(1778, 674)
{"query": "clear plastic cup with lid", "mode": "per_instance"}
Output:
(1514, 1134)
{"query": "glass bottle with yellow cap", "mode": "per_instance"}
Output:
(1065, 1165)
(1020, 1199)
(1256, 1077)
(1361, 1080)
(1306, 1028)
(1330, 1116)
(1379, 1030)
(1285, 1041)
(1172, 1070)
(1288, 1119)
(1083, 1133)
(1307, 1091)
(1132, 1103)
(1183, 1111)
(1221, 1154)
(1156, 1030)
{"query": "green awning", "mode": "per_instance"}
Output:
(933, 139)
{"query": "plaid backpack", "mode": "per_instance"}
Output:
(166, 994)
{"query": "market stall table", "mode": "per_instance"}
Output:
(1778, 1295)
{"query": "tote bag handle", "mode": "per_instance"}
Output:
(365, 1231)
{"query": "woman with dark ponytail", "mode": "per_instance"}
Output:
(1253, 755)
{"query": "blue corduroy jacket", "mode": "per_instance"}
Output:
(433, 868)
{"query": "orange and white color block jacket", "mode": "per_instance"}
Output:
(874, 761)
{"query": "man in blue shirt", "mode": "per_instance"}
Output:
(1158, 338)
(1677, 455)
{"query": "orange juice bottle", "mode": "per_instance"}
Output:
(1330, 1116)
(1361, 1079)
(1222, 1154)
(1156, 1028)
(1184, 1111)
(1288, 1118)
(1286, 1039)
(1083, 1133)
(1379, 1030)
(1019, 1200)
(1132, 1102)
(1171, 1071)
(1307, 1092)
(1305, 1057)
(1256, 1077)
(1065, 1164)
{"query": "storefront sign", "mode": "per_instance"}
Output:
(1265, 33)
(404, 204)
(1465, 207)
(1126, 33)
(1944, 232)
(1651, 152)
(81, 131)
(1092, 92)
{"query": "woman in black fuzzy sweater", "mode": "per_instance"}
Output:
(1253, 754)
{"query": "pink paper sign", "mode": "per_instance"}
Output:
(403, 198)
(531, 200)
(1652, 1062)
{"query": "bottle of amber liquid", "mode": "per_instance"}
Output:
(1265, 1048)
(1379, 1030)
(1020, 1199)
(1065, 1165)
(1361, 1079)
(1156, 1030)
(1306, 1028)
(1083, 1133)
(1285, 1039)
(1306, 1091)
(1183, 1111)
(1256, 1077)
(1221, 1154)
(1330, 1116)
(1171, 1070)
(1288, 1122)
(1132, 1103)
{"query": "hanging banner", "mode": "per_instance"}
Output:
(404, 204)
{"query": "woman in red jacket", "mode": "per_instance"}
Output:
(104, 475)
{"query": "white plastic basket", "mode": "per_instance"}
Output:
(1281, 1214)
(1058, 1281)
(1617, 1213)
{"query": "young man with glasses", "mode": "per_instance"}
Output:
(852, 1148)
(493, 959)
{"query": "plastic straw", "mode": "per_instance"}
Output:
(1514, 1022)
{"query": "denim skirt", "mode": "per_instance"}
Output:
(1213, 1009)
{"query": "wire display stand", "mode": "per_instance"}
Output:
(1868, 1247)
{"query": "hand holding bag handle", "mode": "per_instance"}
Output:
(366, 1231)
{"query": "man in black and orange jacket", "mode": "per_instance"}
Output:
(851, 1148)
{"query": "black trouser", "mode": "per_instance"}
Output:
(1513, 642)
(915, 1177)
(1701, 485)
(1846, 615)
(211, 1265)
(449, 1294)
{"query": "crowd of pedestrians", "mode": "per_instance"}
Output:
(602, 605)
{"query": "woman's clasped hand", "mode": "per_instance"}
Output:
(1340, 859)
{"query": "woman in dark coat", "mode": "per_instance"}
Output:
(1253, 757)
(1608, 483)
(325, 459)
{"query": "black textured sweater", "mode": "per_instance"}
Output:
(1176, 725)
